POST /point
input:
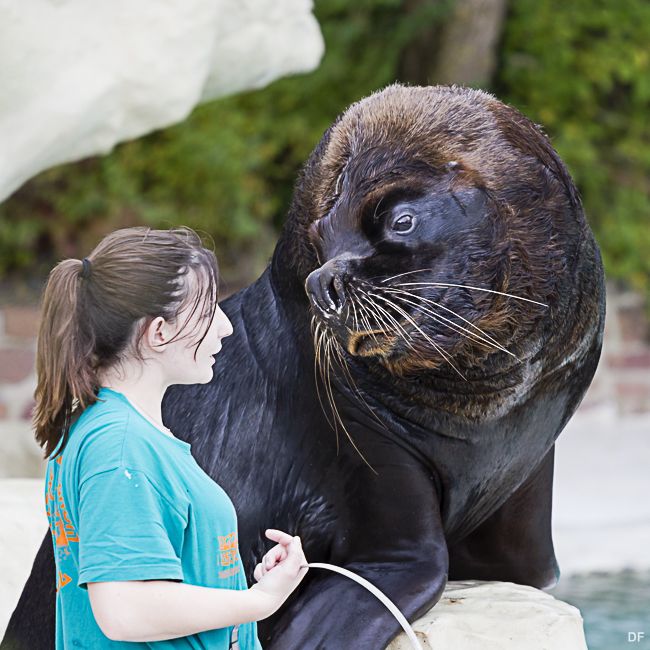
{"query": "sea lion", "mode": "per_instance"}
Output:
(430, 319)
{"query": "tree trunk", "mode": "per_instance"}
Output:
(461, 49)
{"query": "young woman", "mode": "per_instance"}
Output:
(145, 542)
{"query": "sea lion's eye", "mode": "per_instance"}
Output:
(404, 223)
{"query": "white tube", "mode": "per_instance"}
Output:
(379, 594)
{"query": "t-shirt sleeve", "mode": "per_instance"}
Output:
(127, 529)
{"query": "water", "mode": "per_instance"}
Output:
(615, 608)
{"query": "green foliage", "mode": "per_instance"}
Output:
(229, 169)
(579, 68)
(582, 70)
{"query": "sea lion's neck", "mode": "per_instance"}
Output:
(431, 403)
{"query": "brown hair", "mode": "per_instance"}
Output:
(90, 308)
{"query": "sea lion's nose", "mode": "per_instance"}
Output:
(325, 287)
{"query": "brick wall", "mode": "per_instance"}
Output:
(623, 376)
(19, 454)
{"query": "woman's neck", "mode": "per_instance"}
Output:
(144, 389)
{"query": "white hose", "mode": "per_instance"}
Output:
(379, 594)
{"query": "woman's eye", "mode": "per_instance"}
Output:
(404, 223)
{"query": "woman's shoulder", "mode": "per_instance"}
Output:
(109, 435)
(97, 439)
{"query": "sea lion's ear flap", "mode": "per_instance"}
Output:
(530, 139)
(307, 195)
(307, 202)
(515, 542)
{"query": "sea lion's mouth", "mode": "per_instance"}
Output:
(370, 343)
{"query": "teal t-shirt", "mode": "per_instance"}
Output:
(126, 501)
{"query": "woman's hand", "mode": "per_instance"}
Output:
(276, 555)
(280, 572)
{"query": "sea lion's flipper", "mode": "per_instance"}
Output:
(334, 611)
(393, 538)
(514, 544)
(31, 626)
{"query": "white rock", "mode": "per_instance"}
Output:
(20, 455)
(77, 77)
(497, 616)
(24, 523)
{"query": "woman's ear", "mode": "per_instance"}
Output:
(158, 334)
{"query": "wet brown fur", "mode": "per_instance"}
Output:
(539, 230)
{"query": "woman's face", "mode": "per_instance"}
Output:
(179, 362)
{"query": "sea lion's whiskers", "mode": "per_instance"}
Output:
(364, 313)
(316, 335)
(399, 275)
(348, 376)
(318, 369)
(352, 384)
(451, 311)
(327, 342)
(328, 392)
(354, 311)
(410, 342)
(417, 327)
(452, 326)
(336, 411)
(467, 286)
(385, 326)
(324, 376)
(486, 340)
(319, 344)
(404, 335)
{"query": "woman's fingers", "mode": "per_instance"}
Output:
(287, 552)
(258, 573)
(296, 555)
(273, 557)
(279, 536)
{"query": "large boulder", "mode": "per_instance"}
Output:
(78, 77)
(497, 616)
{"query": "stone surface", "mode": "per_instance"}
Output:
(79, 77)
(497, 616)
(20, 454)
(22, 512)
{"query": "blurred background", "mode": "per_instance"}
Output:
(579, 68)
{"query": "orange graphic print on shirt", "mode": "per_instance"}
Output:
(63, 532)
(228, 555)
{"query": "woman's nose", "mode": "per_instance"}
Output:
(226, 329)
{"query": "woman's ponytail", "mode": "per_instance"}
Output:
(64, 358)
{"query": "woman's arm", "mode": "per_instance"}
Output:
(155, 610)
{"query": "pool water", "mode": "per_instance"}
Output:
(615, 607)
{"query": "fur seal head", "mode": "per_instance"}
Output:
(438, 233)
